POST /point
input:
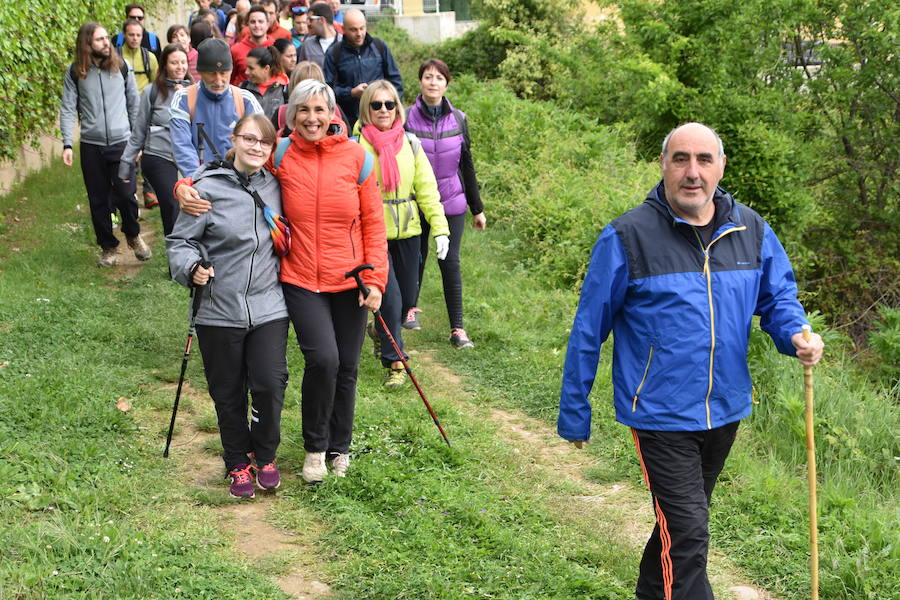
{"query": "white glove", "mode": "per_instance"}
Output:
(441, 246)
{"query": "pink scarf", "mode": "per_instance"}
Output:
(387, 145)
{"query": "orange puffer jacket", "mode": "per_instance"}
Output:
(336, 224)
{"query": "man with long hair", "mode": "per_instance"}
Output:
(99, 88)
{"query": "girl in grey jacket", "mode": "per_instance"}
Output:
(150, 137)
(242, 322)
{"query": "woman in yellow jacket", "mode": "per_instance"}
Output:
(407, 186)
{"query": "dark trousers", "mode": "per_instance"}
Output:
(680, 468)
(237, 361)
(400, 294)
(451, 274)
(162, 175)
(330, 329)
(107, 193)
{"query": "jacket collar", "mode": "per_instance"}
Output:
(726, 207)
(446, 107)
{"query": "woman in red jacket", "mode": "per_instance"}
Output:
(337, 224)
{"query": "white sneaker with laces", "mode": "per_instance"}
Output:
(340, 464)
(314, 469)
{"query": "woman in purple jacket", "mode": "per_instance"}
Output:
(444, 134)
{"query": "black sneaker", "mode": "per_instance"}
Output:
(459, 339)
(412, 319)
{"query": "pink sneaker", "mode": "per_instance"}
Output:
(241, 482)
(268, 477)
(412, 320)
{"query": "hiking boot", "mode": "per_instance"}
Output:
(396, 376)
(314, 470)
(268, 477)
(241, 482)
(376, 339)
(141, 249)
(339, 465)
(108, 258)
(412, 319)
(150, 200)
(459, 339)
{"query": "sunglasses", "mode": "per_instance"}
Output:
(138, 17)
(299, 10)
(377, 104)
(252, 140)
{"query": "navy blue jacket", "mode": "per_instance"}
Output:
(347, 66)
(680, 313)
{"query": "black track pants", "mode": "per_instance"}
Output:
(162, 175)
(330, 329)
(680, 468)
(237, 361)
(107, 193)
(399, 295)
(451, 275)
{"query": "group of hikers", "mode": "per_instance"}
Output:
(277, 178)
(284, 176)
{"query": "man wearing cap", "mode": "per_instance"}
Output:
(212, 102)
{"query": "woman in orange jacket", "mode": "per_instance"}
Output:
(335, 211)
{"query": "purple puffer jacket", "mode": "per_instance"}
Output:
(442, 142)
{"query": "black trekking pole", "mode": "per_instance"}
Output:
(196, 297)
(355, 274)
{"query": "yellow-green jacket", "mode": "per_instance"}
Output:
(417, 191)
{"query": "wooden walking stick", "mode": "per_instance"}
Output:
(811, 473)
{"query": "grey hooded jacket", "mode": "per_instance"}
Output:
(151, 129)
(245, 291)
(106, 102)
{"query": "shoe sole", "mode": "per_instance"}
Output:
(411, 327)
(268, 489)
(250, 497)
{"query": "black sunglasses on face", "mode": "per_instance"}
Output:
(138, 17)
(376, 104)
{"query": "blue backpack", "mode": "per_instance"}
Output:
(364, 172)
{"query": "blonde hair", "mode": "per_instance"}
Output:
(305, 70)
(369, 93)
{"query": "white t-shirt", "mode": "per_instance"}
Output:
(326, 43)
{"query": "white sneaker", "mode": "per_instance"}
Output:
(314, 469)
(340, 464)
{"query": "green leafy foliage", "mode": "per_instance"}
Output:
(885, 341)
(37, 45)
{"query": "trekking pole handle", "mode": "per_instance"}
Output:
(807, 332)
(355, 274)
(197, 294)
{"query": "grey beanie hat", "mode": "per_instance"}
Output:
(213, 54)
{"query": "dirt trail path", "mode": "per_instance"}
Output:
(620, 506)
(295, 555)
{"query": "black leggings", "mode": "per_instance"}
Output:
(162, 175)
(237, 360)
(107, 193)
(450, 268)
(330, 329)
(399, 294)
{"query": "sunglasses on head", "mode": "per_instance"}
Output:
(299, 10)
(377, 104)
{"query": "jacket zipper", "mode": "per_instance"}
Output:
(318, 187)
(712, 316)
(250, 275)
(103, 103)
(643, 381)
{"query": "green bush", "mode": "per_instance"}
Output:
(33, 58)
(550, 175)
(885, 341)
